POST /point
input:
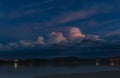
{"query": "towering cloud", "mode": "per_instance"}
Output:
(40, 40)
(73, 36)
(75, 33)
(56, 37)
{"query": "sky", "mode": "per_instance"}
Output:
(27, 19)
(28, 23)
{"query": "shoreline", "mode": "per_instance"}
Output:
(104, 74)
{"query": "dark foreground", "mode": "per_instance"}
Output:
(114, 74)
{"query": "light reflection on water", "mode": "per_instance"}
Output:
(16, 70)
(16, 65)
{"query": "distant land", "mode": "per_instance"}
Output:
(61, 61)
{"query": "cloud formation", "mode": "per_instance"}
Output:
(26, 43)
(51, 14)
(93, 37)
(56, 37)
(40, 41)
(75, 33)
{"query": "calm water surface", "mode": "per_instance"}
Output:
(32, 71)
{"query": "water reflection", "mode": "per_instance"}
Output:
(111, 63)
(16, 65)
(70, 65)
(31, 70)
(97, 63)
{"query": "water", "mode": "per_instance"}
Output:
(32, 71)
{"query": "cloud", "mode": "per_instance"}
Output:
(112, 33)
(75, 33)
(12, 44)
(40, 40)
(75, 16)
(37, 4)
(9, 46)
(21, 43)
(93, 37)
(52, 16)
(56, 37)
(84, 13)
(26, 43)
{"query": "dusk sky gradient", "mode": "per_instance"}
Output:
(27, 19)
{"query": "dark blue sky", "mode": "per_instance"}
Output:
(27, 19)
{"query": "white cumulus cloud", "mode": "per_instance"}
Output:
(75, 33)
(26, 43)
(56, 37)
(40, 40)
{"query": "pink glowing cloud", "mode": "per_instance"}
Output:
(75, 33)
(56, 37)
